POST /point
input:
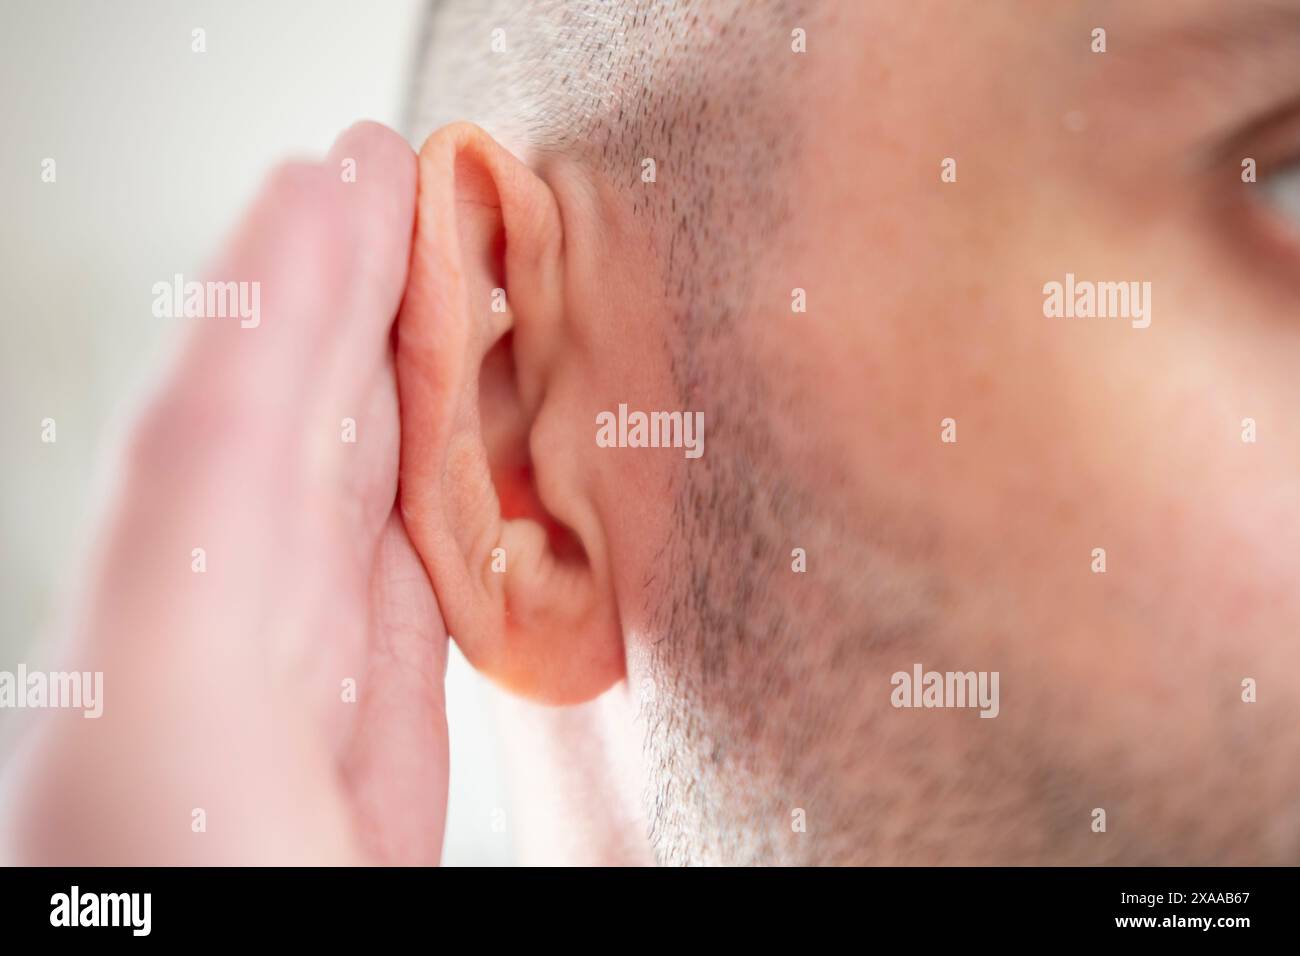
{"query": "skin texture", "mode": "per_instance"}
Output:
(708, 691)
(760, 691)
(224, 690)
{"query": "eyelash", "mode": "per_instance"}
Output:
(1268, 223)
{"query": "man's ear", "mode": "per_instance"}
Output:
(490, 486)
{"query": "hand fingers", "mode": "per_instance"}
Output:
(224, 461)
(396, 764)
(377, 173)
(318, 267)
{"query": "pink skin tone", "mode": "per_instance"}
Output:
(1122, 690)
(225, 691)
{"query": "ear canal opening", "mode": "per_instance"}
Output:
(505, 438)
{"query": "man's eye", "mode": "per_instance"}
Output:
(1281, 191)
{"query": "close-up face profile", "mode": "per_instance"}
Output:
(682, 432)
(842, 260)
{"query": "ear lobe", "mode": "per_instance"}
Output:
(517, 585)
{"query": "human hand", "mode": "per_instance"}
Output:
(272, 651)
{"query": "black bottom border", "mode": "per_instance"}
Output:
(334, 906)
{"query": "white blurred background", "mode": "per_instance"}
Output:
(157, 149)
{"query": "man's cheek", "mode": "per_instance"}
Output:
(1256, 557)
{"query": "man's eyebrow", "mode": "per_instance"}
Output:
(1253, 38)
(1238, 61)
(1216, 23)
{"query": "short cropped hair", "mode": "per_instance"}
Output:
(710, 90)
(691, 84)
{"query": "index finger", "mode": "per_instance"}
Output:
(318, 267)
